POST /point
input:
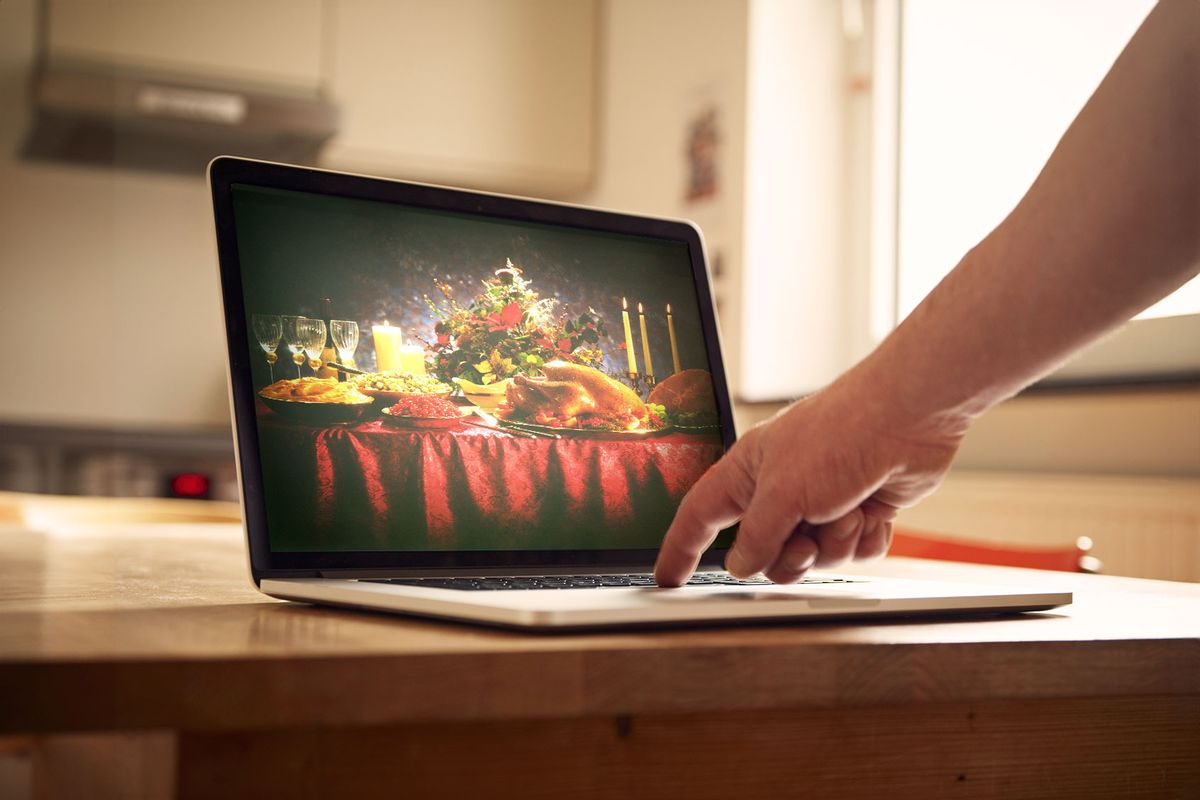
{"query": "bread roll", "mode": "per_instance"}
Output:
(687, 392)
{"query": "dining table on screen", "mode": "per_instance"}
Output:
(375, 485)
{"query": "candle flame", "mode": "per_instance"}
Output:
(639, 308)
(624, 305)
(668, 308)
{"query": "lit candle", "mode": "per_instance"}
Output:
(645, 341)
(671, 333)
(412, 359)
(628, 338)
(388, 343)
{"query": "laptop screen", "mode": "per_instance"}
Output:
(429, 380)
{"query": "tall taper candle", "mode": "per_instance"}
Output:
(671, 333)
(645, 341)
(628, 338)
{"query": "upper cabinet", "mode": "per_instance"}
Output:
(495, 94)
(274, 42)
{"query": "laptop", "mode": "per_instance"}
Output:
(487, 408)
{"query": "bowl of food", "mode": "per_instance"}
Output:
(390, 387)
(489, 396)
(316, 401)
(423, 411)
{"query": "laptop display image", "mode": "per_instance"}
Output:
(526, 387)
(487, 408)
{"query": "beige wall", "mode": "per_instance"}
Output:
(1146, 432)
(105, 273)
(660, 63)
(1131, 432)
(102, 273)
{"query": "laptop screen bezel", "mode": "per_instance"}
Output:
(224, 173)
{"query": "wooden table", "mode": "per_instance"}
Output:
(138, 658)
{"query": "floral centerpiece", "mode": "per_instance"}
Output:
(509, 329)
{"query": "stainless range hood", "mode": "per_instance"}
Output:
(100, 114)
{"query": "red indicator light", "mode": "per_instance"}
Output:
(190, 484)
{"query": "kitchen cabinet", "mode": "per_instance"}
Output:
(494, 95)
(273, 42)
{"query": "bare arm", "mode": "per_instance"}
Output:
(1110, 225)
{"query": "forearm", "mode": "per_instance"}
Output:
(1111, 225)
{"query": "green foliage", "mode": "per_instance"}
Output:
(509, 329)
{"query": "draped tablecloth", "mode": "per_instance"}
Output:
(373, 485)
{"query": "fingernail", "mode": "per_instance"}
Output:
(845, 531)
(735, 565)
(802, 564)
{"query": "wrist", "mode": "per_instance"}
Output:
(895, 400)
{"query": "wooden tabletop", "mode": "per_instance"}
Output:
(134, 625)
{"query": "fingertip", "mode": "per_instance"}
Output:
(669, 577)
(734, 563)
(799, 556)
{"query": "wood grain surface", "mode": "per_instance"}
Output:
(116, 627)
(1145, 747)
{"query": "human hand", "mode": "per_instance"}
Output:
(816, 485)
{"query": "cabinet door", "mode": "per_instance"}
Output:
(277, 42)
(495, 94)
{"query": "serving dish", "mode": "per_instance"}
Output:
(421, 423)
(318, 413)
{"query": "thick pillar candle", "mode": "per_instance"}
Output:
(388, 343)
(412, 359)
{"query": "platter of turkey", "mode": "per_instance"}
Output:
(576, 400)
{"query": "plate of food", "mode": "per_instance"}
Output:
(430, 412)
(389, 387)
(316, 401)
(576, 400)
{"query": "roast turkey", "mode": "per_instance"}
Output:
(610, 396)
(528, 397)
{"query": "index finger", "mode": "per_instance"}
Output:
(714, 503)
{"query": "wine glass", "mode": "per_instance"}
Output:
(345, 339)
(294, 338)
(268, 330)
(312, 335)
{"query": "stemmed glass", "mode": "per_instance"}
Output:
(294, 338)
(312, 334)
(268, 330)
(345, 339)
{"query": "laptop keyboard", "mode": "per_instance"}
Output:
(585, 581)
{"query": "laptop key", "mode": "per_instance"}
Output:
(584, 581)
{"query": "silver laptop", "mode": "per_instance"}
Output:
(487, 408)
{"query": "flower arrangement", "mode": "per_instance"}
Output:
(508, 329)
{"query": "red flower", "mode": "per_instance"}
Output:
(546, 343)
(443, 338)
(506, 319)
(564, 345)
(620, 345)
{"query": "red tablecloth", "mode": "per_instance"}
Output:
(376, 486)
